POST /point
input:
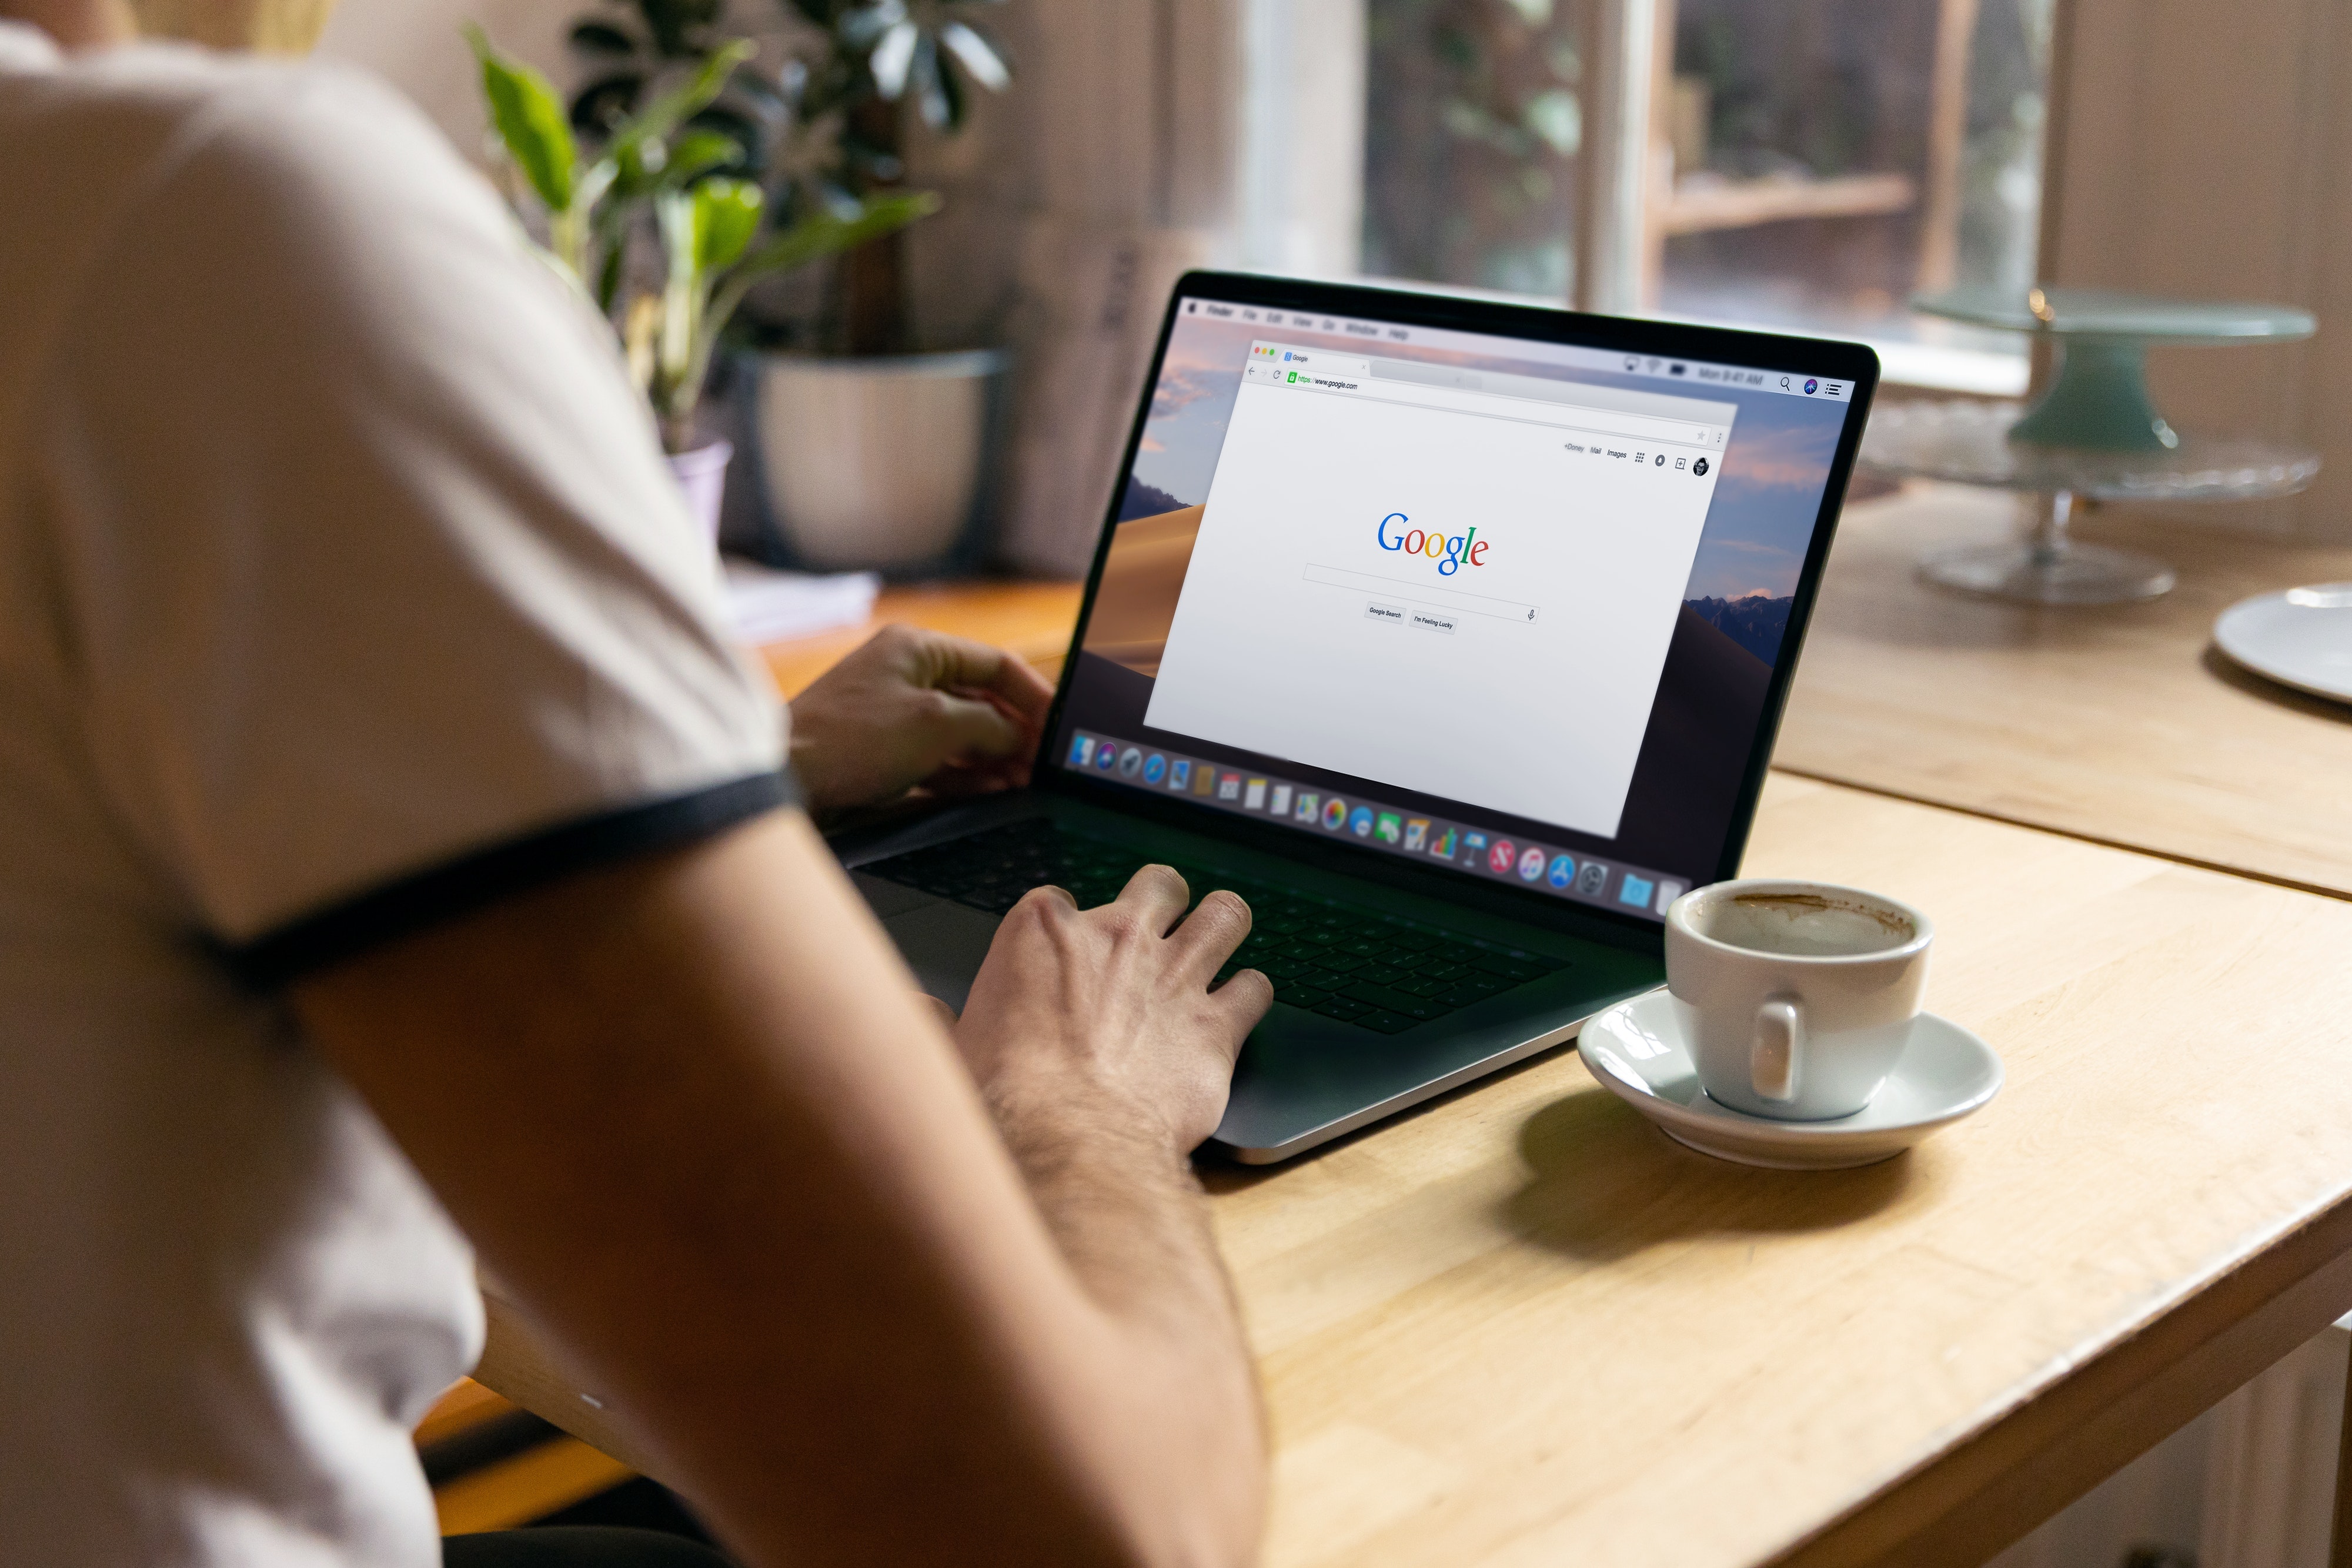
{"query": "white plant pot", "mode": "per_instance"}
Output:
(874, 462)
(701, 474)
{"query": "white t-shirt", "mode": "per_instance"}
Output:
(341, 590)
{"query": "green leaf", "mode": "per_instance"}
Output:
(821, 234)
(530, 122)
(671, 110)
(726, 215)
(696, 153)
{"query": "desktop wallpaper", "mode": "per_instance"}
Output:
(1726, 641)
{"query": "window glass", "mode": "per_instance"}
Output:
(1814, 162)
(1820, 161)
(1471, 132)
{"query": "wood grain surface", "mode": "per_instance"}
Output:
(1031, 619)
(2119, 722)
(1520, 1326)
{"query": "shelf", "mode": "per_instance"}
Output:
(1700, 205)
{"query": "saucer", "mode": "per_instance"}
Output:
(2301, 638)
(1636, 1050)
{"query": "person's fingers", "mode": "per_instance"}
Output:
(942, 660)
(1242, 1002)
(1210, 934)
(1158, 896)
(960, 728)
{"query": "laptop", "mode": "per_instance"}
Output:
(1452, 635)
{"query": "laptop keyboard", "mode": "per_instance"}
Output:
(1345, 961)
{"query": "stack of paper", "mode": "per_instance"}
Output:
(768, 606)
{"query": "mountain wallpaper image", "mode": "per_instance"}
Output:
(1756, 622)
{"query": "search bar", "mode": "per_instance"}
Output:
(1558, 414)
(1422, 594)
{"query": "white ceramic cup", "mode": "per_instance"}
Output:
(1796, 996)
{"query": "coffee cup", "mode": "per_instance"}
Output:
(1796, 997)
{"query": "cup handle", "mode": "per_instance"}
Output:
(1772, 1053)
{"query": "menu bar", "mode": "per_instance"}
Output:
(1393, 830)
(1696, 374)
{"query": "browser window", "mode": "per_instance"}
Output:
(1377, 552)
(1509, 606)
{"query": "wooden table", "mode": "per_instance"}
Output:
(1032, 618)
(2118, 724)
(1520, 1326)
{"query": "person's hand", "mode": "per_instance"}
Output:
(1107, 1011)
(917, 708)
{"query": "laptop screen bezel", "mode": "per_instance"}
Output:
(1855, 363)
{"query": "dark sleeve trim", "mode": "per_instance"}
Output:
(428, 898)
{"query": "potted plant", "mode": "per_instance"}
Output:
(825, 132)
(663, 159)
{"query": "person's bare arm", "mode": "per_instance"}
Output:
(694, 1113)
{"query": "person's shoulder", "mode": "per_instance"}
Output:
(249, 129)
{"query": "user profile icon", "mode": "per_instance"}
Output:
(1699, 468)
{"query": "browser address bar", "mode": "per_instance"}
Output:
(1562, 416)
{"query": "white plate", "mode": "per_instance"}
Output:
(1636, 1050)
(2301, 638)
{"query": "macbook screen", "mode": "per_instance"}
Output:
(1508, 606)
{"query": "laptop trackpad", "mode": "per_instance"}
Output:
(943, 944)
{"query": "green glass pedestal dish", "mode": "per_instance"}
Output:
(2096, 435)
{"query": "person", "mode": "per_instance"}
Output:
(399, 862)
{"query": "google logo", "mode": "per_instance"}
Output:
(1451, 554)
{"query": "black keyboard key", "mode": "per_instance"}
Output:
(1381, 997)
(1301, 995)
(1387, 1022)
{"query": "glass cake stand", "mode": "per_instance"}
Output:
(2094, 435)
